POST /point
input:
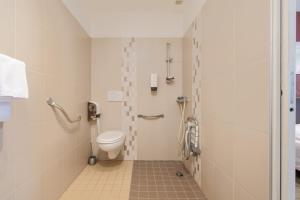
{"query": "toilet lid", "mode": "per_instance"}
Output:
(110, 137)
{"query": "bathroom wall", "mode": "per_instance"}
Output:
(191, 88)
(126, 65)
(234, 117)
(41, 153)
(105, 76)
(187, 84)
(157, 139)
(187, 68)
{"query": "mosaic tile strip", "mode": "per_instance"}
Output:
(157, 180)
(196, 70)
(129, 88)
(196, 91)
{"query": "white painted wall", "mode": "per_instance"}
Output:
(137, 24)
(134, 18)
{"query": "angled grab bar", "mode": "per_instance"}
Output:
(52, 103)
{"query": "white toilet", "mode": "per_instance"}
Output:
(111, 142)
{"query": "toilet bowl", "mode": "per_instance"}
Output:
(111, 142)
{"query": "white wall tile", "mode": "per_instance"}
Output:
(234, 99)
(36, 140)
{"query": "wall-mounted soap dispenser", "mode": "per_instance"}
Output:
(93, 111)
(154, 82)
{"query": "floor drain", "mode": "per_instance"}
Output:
(179, 173)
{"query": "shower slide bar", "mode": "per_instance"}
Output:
(52, 103)
(151, 116)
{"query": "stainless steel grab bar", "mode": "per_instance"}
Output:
(52, 103)
(151, 116)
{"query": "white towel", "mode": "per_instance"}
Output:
(13, 81)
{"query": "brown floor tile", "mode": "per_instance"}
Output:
(157, 180)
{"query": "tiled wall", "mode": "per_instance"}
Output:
(157, 139)
(196, 91)
(117, 58)
(108, 74)
(187, 71)
(40, 153)
(234, 54)
(129, 63)
(129, 105)
(192, 87)
(107, 59)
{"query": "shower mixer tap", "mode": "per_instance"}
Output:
(182, 99)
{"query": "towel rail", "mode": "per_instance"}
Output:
(52, 103)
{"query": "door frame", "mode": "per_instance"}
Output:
(275, 96)
(283, 103)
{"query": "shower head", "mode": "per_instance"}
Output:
(170, 79)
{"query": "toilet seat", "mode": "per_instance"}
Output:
(110, 137)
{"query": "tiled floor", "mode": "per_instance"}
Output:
(138, 180)
(157, 180)
(105, 181)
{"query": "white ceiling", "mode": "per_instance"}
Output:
(134, 18)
